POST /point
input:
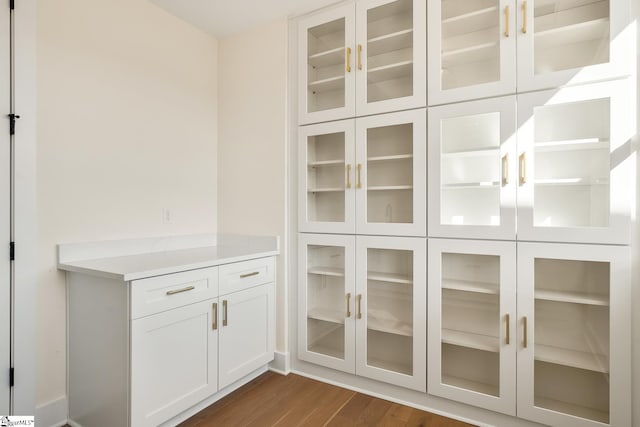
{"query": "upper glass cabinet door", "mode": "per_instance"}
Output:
(326, 74)
(563, 42)
(472, 49)
(391, 55)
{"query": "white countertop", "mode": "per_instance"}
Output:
(138, 259)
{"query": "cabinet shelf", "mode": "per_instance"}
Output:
(572, 358)
(327, 271)
(327, 85)
(468, 15)
(389, 325)
(466, 384)
(470, 54)
(570, 408)
(390, 72)
(486, 184)
(471, 340)
(326, 315)
(572, 144)
(390, 187)
(471, 286)
(390, 42)
(325, 190)
(572, 297)
(393, 366)
(328, 57)
(574, 33)
(389, 277)
(387, 158)
(472, 153)
(326, 163)
(571, 181)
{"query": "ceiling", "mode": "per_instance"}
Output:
(223, 18)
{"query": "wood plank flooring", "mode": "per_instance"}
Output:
(275, 400)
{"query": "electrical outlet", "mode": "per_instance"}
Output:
(167, 216)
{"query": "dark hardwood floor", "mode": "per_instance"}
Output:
(276, 400)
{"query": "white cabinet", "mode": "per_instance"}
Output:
(568, 332)
(362, 306)
(366, 175)
(362, 59)
(472, 45)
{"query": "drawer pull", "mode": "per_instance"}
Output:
(244, 276)
(178, 291)
(215, 316)
(224, 313)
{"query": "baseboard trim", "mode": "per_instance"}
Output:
(281, 363)
(53, 413)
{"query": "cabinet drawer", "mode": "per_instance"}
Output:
(241, 275)
(156, 294)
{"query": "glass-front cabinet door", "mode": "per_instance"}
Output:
(326, 300)
(326, 154)
(574, 334)
(390, 310)
(391, 55)
(326, 72)
(472, 49)
(472, 319)
(391, 174)
(563, 42)
(472, 169)
(574, 159)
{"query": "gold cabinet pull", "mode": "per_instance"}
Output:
(215, 316)
(179, 291)
(224, 313)
(523, 168)
(244, 276)
(359, 57)
(348, 60)
(359, 176)
(359, 306)
(505, 170)
(349, 175)
(507, 9)
(524, 335)
(349, 304)
(508, 329)
(524, 16)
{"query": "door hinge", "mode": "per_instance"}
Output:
(12, 123)
(12, 251)
(11, 377)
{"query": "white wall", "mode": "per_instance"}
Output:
(127, 126)
(252, 151)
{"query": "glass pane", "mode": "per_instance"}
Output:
(390, 174)
(570, 34)
(471, 322)
(470, 42)
(390, 310)
(326, 300)
(572, 164)
(326, 66)
(326, 178)
(572, 337)
(470, 170)
(389, 51)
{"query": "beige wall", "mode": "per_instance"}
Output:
(127, 126)
(252, 151)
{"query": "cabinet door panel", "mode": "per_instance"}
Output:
(574, 334)
(472, 318)
(174, 362)
(247, 332)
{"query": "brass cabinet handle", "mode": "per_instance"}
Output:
(508, 327)
(507, 9)
(244, 276)
(359, 57)
(215, 316)
(349, 175)
(523, 168)
(359, 175)
(360, 306)
(224, 313)
(505, 170)
(524, 16)
(348, 60)
(349, 304)
(179, 291)
(524, 340)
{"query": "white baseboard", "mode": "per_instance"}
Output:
(281, 363)
(52, 414)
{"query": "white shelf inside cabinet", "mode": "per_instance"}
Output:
(393, 366)
(389, 277)
(327, 85)
(390, 42)
(572, 297)
(389, 158)
(487, 184)
(469, 15)
(327, 58)
(390, 187)
(327, 271)
(326, 163)
(571, 181)
(471, 153)
(471, 340)
(572, 358)
(385, 323)
(327, 315)
(466, 55)
(572, 144)
(470, 385)
(390, 72)
(325, 190)
(575, 33)
(569, 408)
(471, 286)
